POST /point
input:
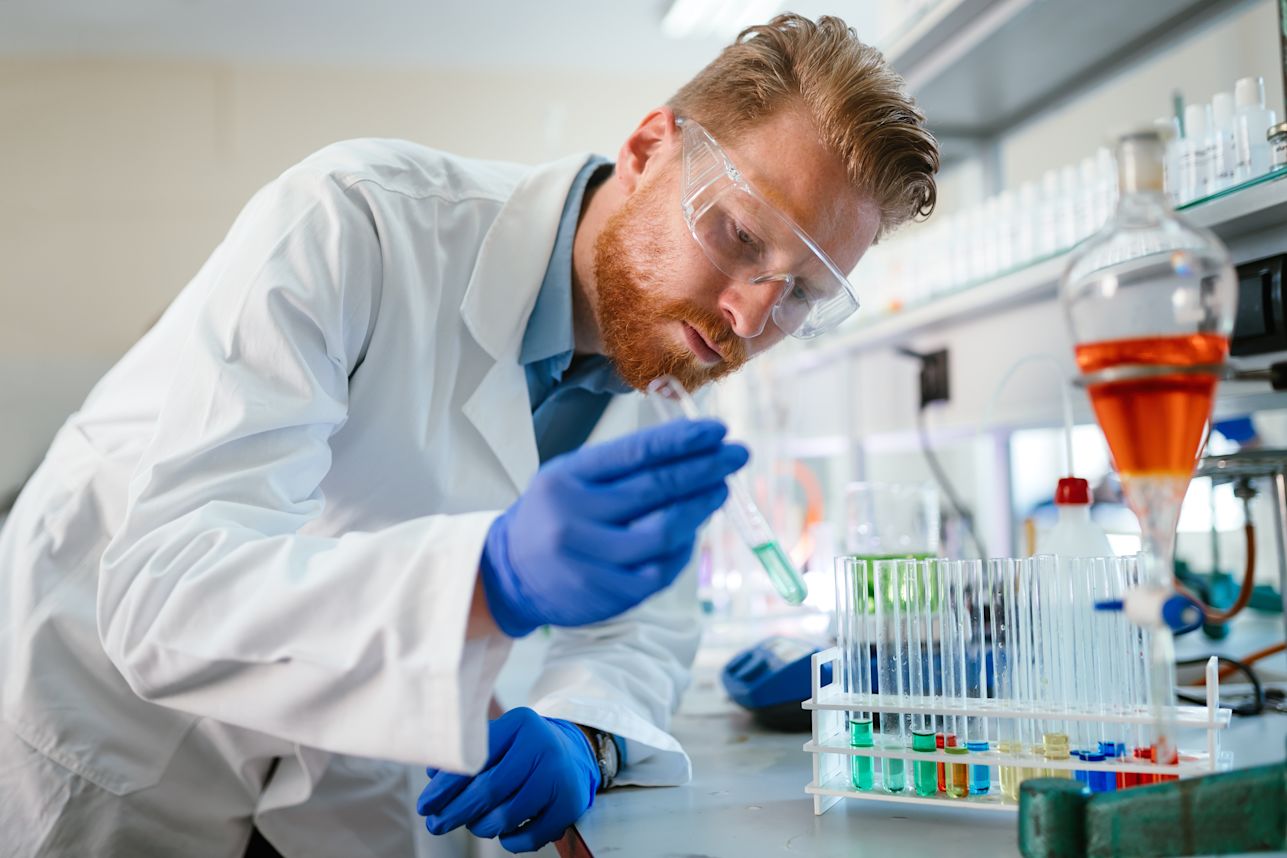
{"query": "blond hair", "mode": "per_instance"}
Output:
(858, 104)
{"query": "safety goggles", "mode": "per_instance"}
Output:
(747, 238)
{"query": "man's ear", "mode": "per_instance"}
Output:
(654, 136)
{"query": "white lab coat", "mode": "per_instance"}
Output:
(248, 558)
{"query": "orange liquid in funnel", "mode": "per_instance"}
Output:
(1154, 425)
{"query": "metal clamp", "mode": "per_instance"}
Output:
(1137, 371)
(1275, 375)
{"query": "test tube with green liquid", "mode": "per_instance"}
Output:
(854, 602)
(671, 400)
(891, 659)
(914, 577)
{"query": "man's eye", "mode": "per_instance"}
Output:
(744, 236)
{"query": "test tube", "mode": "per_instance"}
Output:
(1161, 672)
(1003, 665)
(1142, 692)
(1028, 664)
(1086, 649)
(941, 741)
(1081, 648)
(960, 654)
(855, 584)
(1113, 662)
(891, 662)
(1129, 666)
(672, 400)
(976, 734)
(949, 640)
(1055, 672)
(845, 634)
(920, 670)
(953, 634)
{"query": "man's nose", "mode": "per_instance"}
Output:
(748, 306)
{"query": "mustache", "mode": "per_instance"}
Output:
(716, 330)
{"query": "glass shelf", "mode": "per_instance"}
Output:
(1265, 179)
(1272, 176)
(1248, 206)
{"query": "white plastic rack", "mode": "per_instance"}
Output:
(831, 750)
(1023, 662)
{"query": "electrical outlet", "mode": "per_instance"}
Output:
(934, 384)
(1261, 323)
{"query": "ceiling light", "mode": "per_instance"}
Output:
(720, 19)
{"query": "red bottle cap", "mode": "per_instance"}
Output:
(1072, 490)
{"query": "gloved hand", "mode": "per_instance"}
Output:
(540, 776)
(604, 527)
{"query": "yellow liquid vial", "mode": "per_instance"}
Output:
(1010, 775)
(1056, 748)
(958, 774)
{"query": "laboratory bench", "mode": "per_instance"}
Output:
(747, 797)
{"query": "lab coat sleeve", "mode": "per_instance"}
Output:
(626, 677)
(210, 600)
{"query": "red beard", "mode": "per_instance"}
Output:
(632, 319)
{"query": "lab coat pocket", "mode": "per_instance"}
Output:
(62, 695)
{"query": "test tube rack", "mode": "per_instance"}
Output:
(961, 629)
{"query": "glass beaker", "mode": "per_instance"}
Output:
(885, 521)
(892, 521)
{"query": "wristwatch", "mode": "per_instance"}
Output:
(607, 753)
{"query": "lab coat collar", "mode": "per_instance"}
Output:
(513, 257)
(498, 301)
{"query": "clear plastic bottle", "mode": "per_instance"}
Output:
(1048, 224)
(1250, 128)
(1074, 533)
(1195, 154)
(1224, 152)
(1169, 130)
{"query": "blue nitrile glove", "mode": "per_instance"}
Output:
(604, 527)
(540, 776)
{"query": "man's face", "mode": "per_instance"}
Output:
(664, 308)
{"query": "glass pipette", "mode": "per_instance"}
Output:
(672, 400)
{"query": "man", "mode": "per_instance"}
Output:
(275, 562)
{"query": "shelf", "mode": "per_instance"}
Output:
(1256, 205)
(978, 67)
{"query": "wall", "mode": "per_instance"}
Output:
(876, 413)
(121, 176)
